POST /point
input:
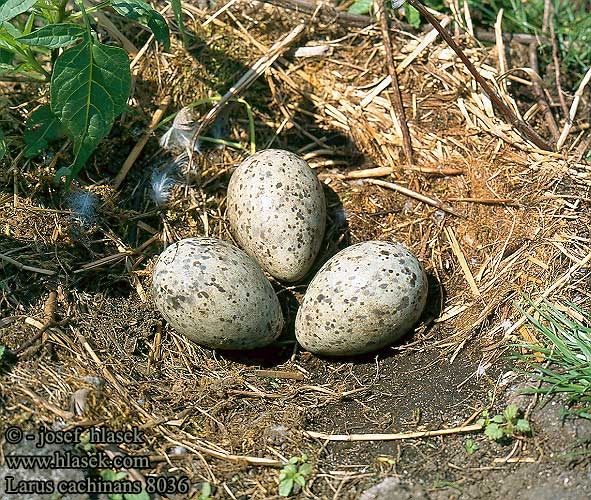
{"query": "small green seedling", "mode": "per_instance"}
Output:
(205, 493)
(470, 446)
(294, 473)
(504, 426)
(110, 475)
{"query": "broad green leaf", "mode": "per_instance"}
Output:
(498, 419)
(12, 8)
(2, 153)
(285, 487)
(144, 14)
(493, 431)
(361, 7)
(8, 36)
(89, 88)
(42, 127)
(412, 16)
(54, 36)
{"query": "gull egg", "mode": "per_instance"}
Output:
(277, 212)
(364, 298)
(216, 295)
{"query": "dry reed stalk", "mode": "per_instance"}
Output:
(393, 437)
(573, 110)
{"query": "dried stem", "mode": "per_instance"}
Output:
(509, 115)
(396, 96)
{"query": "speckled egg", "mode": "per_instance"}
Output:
(364, 298)
(216, 295)
(277, 212)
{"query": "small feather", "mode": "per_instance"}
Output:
(180, 134)
(83, 205)
(162, 182)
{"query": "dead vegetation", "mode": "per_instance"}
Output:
(491, 216)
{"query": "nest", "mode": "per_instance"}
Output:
(491, 216)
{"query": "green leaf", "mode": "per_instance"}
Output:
(6, 57)
(89, 88)
(301, 480)
(498, 419)
(2, 153)
(522, 426)
(178, 16)
(470, 446)
(494, 432)
(511, 412)
(412, 16)
(144, 14)
(29, 24)
(54, 36)
(285, 487)
(360, 7)
(305, 469)
(12, 8)
(42, 127)
(8, 36)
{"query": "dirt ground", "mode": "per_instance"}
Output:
(105, 357)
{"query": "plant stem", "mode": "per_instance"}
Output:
(59, 18)
(396, 96)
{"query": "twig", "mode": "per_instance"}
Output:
(509, 115)
(556, 63)
(524, 38)
(323, 11)
(383, 171)
(548, 116)
(486, 201)
(137, 149)
(393, 437)
(427, 40)
(279, 374)
(547, 14)
(196, 448)
(257, 69)
(573, 110)
(49, 321)
(396, 97)
(416, 196)
(24, 267)
(457, 251)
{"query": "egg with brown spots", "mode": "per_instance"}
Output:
(277, 212)
(216, 295)
(364, 298)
